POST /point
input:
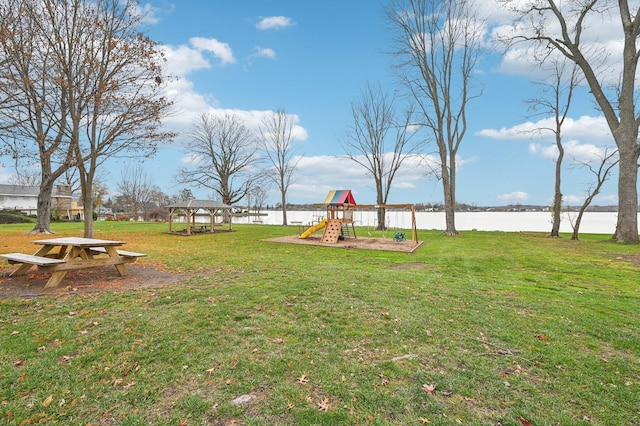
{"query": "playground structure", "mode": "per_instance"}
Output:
(339, 221)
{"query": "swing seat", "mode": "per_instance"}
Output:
(399, 237)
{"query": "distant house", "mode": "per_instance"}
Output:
(25, 199)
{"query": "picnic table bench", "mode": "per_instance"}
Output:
(73, 253)
(124, 253)
(14, 258)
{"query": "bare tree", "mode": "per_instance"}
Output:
(33, 111)
(136, 188)
(379, 140)
(24, 175)
(439, 44)
(185, 194)
(24, 178)
(555, 100)
(86, 85)
(276, 137)
(563, 27)
(99, 192)
(259, 196)
(113, 78)
(601, 170)
(224, 155)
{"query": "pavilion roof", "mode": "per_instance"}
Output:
(199, 204)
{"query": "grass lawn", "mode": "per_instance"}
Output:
(485, 328)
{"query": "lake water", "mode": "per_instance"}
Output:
(592, 222)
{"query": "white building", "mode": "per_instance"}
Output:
(25, 199)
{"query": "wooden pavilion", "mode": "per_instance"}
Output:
(193, 208)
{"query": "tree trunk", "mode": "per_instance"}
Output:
(627, 224)
(284, 209)
(381, 212)
(43, 222)
(449, 186)
(382, 219)
(556, 209)
(87, 203)
(576, 226)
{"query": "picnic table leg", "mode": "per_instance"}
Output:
(57, 276)
(122, 270)
(55, 279)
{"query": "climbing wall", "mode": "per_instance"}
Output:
(332, 231)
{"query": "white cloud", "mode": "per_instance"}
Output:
(274, 23)
(183, 60)
(586, 129)
(518, 196)
(575, 151)
(219, 49)
(573, 199)
(190, 159)
(149, 13)
(264, 52)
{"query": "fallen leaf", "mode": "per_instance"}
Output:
(525, 422)
(277, 341)
(66, 359)
(210, 371)
(303, 380)
(47, 401)
(542, 337)
(324, 405)
(429, 389)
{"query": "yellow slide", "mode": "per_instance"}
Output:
(313, 229)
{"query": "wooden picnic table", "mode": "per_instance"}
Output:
(73, 253)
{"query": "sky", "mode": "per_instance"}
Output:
(313, 59)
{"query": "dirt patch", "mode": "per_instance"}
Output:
(84, 281)
(354, 243)
(630, 258)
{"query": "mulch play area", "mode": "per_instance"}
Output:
(388, 244)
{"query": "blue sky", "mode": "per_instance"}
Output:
(313, 59)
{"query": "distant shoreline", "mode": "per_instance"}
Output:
(506, 221)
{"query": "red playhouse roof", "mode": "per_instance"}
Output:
(339, 196)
